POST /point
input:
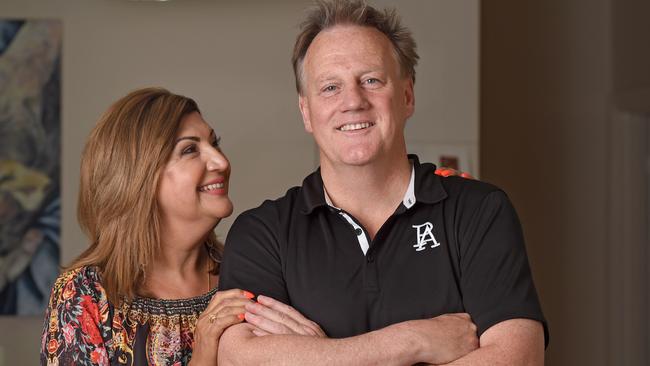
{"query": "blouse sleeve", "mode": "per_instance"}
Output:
(76, 328)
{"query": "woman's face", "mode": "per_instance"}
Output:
(194, 182)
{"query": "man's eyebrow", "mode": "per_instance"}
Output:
(325, 78)
(193, 138)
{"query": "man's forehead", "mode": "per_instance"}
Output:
(340, 37)
(339, 45)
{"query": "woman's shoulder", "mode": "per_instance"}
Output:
(81, 281)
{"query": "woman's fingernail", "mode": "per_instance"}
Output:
(241, 316)
(249, 294)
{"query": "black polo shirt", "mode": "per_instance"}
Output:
(452, 245)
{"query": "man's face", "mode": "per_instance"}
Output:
(355, 101)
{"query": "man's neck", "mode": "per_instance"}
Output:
(371, 192)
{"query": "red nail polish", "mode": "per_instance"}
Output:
(249, 294)
(241, 316)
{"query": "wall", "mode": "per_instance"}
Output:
(631, 54)
(233, 58)
(556, 79)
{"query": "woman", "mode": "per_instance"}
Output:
(154, 184)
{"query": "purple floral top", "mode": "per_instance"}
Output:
(83, 328)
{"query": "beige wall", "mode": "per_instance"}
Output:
(233, 57)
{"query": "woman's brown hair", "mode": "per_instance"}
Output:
(120, 171)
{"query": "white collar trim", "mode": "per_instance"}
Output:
(409, 196)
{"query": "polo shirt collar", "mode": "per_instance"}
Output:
(312, 193)
(427, 184)
(424, 186)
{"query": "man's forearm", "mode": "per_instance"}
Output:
(515, 342)
(388, 346)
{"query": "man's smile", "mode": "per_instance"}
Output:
(355, 126)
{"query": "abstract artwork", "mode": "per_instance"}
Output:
(30, 164)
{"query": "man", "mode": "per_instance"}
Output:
(383, 254)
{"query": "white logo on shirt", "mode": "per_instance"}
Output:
(425, 236)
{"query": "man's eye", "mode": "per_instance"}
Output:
(329, 88)
(372, 81)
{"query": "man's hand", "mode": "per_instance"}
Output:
(270, 316)
(444, 338)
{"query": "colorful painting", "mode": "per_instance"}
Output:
(30, 164)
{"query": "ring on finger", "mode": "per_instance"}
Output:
(212, 318)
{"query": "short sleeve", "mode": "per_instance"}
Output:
(76, 322)
(252, 259)
(496, 280)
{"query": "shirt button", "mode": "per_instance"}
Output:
(358, 231)
(370, 258)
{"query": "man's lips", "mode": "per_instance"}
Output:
(355, 126)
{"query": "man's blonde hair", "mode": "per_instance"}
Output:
(329, 13)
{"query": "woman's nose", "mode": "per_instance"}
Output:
(217, 161)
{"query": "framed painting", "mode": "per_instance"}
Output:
(30, 166)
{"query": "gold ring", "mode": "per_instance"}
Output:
(212, 318)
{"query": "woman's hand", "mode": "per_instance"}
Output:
(448, 172)
(225, 309)
(270, 316)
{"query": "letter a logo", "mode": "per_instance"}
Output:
(425, 236)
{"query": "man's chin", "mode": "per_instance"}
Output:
(357, 160)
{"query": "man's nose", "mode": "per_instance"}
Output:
(354, 98)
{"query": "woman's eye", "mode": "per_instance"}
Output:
(189, 150)
(217, 142)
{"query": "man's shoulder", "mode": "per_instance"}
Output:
(272, 207)
(272, 214)
(469, 201)
(457, 185)
(449, 189)
(471, 193)
(298, 199)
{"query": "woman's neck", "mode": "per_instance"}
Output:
(180, 269)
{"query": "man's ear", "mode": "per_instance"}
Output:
(303, 104)
(409, 97)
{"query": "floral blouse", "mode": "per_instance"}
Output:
(83, 328)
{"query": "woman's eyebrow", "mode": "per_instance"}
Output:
(193, 138)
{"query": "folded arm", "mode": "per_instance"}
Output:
(515, 342)
(278, 334)
(239, 346)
